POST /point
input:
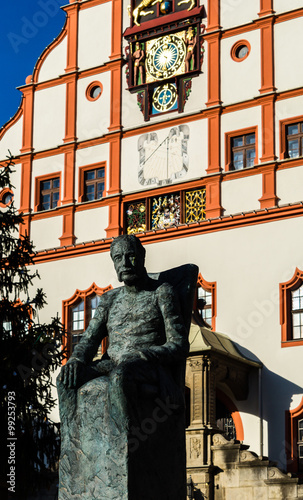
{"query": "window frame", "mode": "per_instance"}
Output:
(67, 306)
(292, 418)
(286, 288)
(228, 147)
(38, 185)
(3, 193)
(211, 287)
(148, 199)
(82, 171)
(236, 46)
(283, 136)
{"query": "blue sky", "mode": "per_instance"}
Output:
(26, 28)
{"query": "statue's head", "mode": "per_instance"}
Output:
(128, 255)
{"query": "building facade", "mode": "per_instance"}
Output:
(183, 123)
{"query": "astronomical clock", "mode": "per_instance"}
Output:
(164, 52)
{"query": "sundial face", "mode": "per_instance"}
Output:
(161, 161)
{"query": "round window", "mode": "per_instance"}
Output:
(94, 91)
(6, 197)
(240, 50)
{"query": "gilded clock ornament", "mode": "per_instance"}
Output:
(165, 57)
(165, 98)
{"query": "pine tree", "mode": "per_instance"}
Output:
(29, 353)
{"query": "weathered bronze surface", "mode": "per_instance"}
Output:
(122, 417)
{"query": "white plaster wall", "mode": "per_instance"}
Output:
(49, 117)
(43, 166)
(288, 38)
(89, 156)
(90, 224)
(241, 195)
(283, 6)
(93, 117)
(290, 185)
(238, 120)
(287, 108)
(45, 233)
(94, 40)
(236, 12)
(240, 80)
(12, 139)
(55, 63)
(16, 182)
(197, 156)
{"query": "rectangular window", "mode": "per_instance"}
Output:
(243, 151)
(294, 139)
(93, 184)
(165, 211)
(49, 193)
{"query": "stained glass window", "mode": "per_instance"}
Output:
(165, 211)
(195, 205)
(136, 217)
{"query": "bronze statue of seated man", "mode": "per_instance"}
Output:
(147, 348)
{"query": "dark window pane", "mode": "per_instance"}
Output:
(95, 92)
(250, 157)
(237, 142)
(90, 188)
(45, 185)
(238, 160)
(7, 198)
(293, 148)
(100, 190)
(90, 175)
(45, 201)
(100, 172)
(241, 51)
(293, 129)
(250, 139)
(56, 183)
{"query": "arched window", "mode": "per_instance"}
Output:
(78, 311)
(291, 310)
(228, 417)
(205, 302)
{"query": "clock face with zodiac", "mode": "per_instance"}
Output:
(165, 57)
(164, 98)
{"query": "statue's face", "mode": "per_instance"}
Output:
(129, 264)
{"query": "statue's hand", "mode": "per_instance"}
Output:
(70, 374)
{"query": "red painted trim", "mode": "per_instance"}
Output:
(47, 51)
(213, 57)
(285, 309)
(235, 47)
(234, 413)
(182, 231)
(72, 40)
(92, 85)
(25, 193)
(84, 169)
(13, 120)
(69, 176)
(210, 286)
(28, 112)
(269, 198)
(171, 18)
(114, 164)
(213, 196)
(68, 237)
(267, 55)
(213, 15)
(283, 136)
(116, 30)
(266, 8)
(115, 99)
(214, 134)
(71, 109)
(268, 129)
(3, 193)
(78, 295)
